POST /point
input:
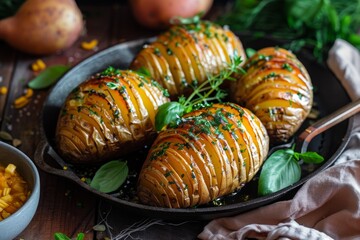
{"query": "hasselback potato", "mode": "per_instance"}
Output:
(187, 54)
(277, 89)
(109, 115)
(210, 153)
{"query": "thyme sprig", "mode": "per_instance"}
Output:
(202, 95)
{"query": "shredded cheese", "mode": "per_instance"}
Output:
(3, 90)
(38, 65)
(13, 191)
(89, 45)
(24, 99)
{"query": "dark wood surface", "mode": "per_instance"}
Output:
(64, 206)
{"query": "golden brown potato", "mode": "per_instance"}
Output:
(108, 116)
(187, 54)
(277, 89)
(212, 152)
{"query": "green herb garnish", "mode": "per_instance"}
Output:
(62, 236)
(185, 21)
(313, 24)
(168, 113)
(282, 169)
(48, 77)
(110, 176)
(250, 52)
(144, 72)
(202, 95)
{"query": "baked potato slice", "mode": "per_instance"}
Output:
(108, 116)
(209, 152)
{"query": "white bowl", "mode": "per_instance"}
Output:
(13, 225)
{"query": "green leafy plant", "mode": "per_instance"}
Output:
(62, 236)
(110, 176)
(282, 169)
(48, 77)
(313, 24)
(202, 95)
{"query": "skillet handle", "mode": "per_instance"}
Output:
(327, 122)
(43, 149)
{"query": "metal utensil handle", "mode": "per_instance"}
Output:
(327, 122)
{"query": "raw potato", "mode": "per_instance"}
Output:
(43, 27)
(107, 116)
(158, 13)
(187, 54)
(277, 89)
(212, 152)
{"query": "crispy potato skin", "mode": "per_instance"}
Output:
(187, 54)
(213, 151)
(277, 89)
(108, 116)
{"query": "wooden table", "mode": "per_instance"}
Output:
(64, 206)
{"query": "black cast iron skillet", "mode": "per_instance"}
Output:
(329, 95)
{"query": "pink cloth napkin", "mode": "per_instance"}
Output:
(325, 207)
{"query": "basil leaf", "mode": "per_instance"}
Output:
(250, 52)
(48, 77)
(168, 113)
(61, 236)
(280, 170)
(310, 157)
(110, 176)
(80, 236)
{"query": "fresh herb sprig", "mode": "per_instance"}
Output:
(313, 24)
(202, 95)
(282, 169)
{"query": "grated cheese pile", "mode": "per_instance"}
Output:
(14, 191)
